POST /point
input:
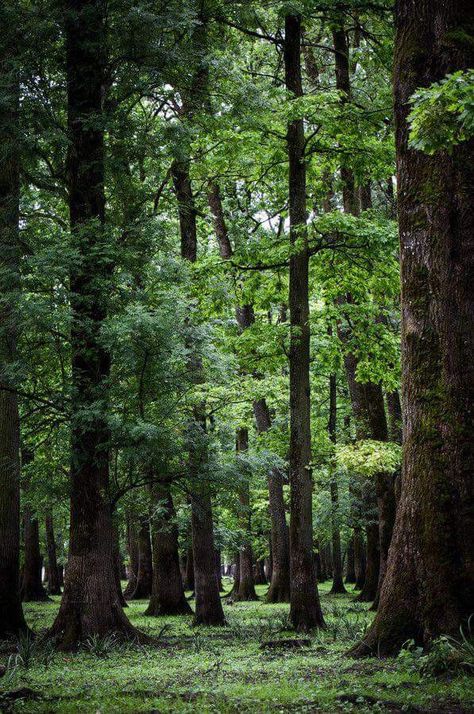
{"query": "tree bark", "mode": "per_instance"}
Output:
(12, 621)
(279, 590)
(54, 587)
(429, 585)
(90, 604)
(337, 574)
(246, 590)
(32, 589)
(305, 609)
(132, 546)
(167, 597)
(359, 558)
(144, 575)
(189, 577)
(350, 563)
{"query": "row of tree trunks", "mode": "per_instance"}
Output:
(428, 588)
(305, 609)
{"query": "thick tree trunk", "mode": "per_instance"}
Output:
(429, 585)
(208, 603)
(143, 580)
(394, 409)
(350, 563)
(189, 575)
(54, 587)
(246, 590)
(32, 589)
(305, 609)
(359, 558)
(11, 614)
(90, 604)
(372, 568)
(337, 575)
(167, 597)
(259, 573)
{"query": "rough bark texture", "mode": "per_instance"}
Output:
(117, 564)
(429, 584)
(359, 559)
(246, 589)
(90, 604)
(350, 563)
(337, 575)
(144, 575)
(54, 587)
(11, 614)
(32, 589)
(132, 547)
(167, 597)
(305, 610)
(279, 590)
(189, 574)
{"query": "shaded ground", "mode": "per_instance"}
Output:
(225, 669)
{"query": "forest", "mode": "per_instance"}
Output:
(236, 356)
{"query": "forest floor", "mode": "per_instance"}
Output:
(226, 669)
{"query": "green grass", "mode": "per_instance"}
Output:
(224, 669)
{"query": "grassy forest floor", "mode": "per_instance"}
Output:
(226, 669)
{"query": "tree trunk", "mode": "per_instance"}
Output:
(189, 576)
(359, 558)
(350, 563)
(117, 564)
(143, 581)
(208, 603)
(429, 585)
(12, 620)
(132, 546)
(372, 568)
(259, 573)
(90, 604)
(337, 575)
(279, 590)
(32, 589)
(54, 587)
(305, 609)
(246, 589)
(167, 597)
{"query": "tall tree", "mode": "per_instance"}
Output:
(429, 584)
(90, 605)
(246, 589)
(337, 575)
(11, 614)
(305, 609)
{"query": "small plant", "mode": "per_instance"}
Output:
(101, 647)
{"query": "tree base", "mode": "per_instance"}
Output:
(158, 609)
(277, 593)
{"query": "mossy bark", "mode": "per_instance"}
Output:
(429, 585)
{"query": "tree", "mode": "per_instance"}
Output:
(305, 610)
(90, 604)
(429, 585)
(11, 615)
